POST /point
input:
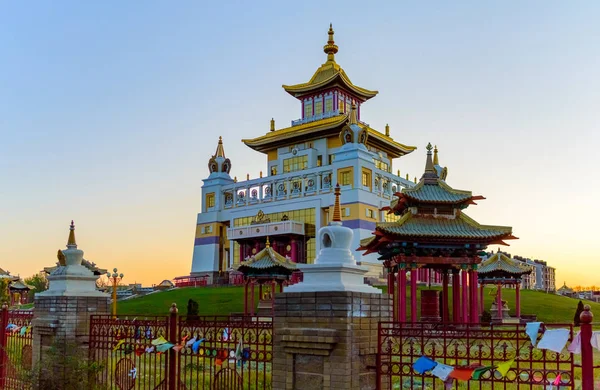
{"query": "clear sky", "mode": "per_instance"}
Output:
(110, 110)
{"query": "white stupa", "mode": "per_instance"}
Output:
(335, 268)
(71, 278)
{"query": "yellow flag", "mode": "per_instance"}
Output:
(504, 367)
(121, 342)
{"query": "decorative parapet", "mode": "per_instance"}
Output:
(309, 341)
(267, 229)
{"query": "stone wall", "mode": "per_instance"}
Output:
(327, 340)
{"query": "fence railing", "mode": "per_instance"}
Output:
(204, 352)
(469, 346)
(15, 348)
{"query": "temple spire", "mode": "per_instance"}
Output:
(330, 48)
(430, 174)
(71, 241)
(337, 214)
(353, 120)
(435, 156)
(220, 151)
(267, 244)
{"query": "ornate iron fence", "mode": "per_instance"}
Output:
(200, 353)
(469, 346)
(15, 348)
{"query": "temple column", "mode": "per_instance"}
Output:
(518, 299)
(294, 250)
(245, 297)
(252, 305)
(281, 286)
(401, 293)
(481, 289)
(473, 305)
(499, 302)
(445, 314)
(455, 296)
(413, 293)
(465, 296)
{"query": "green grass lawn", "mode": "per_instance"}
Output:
(549, 308)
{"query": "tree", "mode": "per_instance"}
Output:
(579, 310)
(39, 282)
(192, 310)
(4, 294)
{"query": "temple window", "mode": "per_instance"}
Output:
(308, 108)
(341, 105)
(345, 177)
(346, 212)
(366, 178)
(381, 165)
(210, 200)
(274, 170)
(331, 158)
(328, 104)
(318, 107)
(319, 161)
(370, 213)
(293, 164)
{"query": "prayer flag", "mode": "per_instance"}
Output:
(532, 329)
(461, 373)
(133, 373)
(159, 341)
(442, 371)
(481, 370)
(423, 364)
(595, 340)
(149, 349)
(190, 342)
(23, 330)
(196, 345)
(504, 367)
(164, 347)
(225, 334)
(575, 346)
(557, 380)
(554, 340)
(238, 351)
(121, 342)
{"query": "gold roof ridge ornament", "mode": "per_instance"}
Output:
(267, 244)
(220, 151)
(330, 48)
(435, 156)
(352, 115)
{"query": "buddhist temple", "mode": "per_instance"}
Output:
(18, 290)
(267, 267)
(434, 233)
(500, 270)
(292, 198)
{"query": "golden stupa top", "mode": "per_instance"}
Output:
(328, 73)
(220, 151)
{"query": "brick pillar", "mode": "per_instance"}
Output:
(327, 340)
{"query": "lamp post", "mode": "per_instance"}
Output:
(115, 278)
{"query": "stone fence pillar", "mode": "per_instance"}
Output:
(327, 340)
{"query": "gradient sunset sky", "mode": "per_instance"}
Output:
(109, 112)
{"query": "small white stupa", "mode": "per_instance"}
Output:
(71, 278)
(335, 268)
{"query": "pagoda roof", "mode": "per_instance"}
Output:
(500, 264)
(267, 261)
(329, 74)
(20, 285)
(323, 128)
(436, 192)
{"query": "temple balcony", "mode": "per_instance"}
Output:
(266, 229)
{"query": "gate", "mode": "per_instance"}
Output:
(15, 348)
(469, 346)
(170, 352)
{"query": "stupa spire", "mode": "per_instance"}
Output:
(71, 240)
(267, 244)
(220, 151)
(337, 213)
(330, 48)
(353, 119)
(435, 156)
(430, 174)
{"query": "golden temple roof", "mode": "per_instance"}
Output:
(329, 73)
(320, 129)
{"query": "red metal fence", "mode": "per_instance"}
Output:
(209, 352)
(472, 345)
(15, 348)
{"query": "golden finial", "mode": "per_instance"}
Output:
(235, 179)
(261, 174)
(407, 177)
(435, 156)
(415, 179)
(220, 151)
(353, 117)
(71, 241)
(272, 124)
(330, 48)
(337, 214)
(267, 244)
(247, 176)
(398, 173)
(387, 130)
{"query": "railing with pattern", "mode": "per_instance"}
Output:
(470, 345)
(200, 353)
(15, 348)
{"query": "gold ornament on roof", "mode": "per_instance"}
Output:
(387, 130)
(330, 48)
(272, 124)
(61, 258)
(71, 240)
(435, 156)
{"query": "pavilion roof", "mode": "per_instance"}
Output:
(20, 285)
(267, 261)
(436, 192)
(499, 264)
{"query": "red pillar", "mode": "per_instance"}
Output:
(455, 297)
(499, 302)
(465, 297)
(413, 294)
(294, 251)
(391, 291)
(474, 309)
(397, 297)
(402, 293)
(3, 344)
(280, 287)
(246, 297)
(252, 305)
(518, 299)
(481, 308)
(587, 354)
(445, 314)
